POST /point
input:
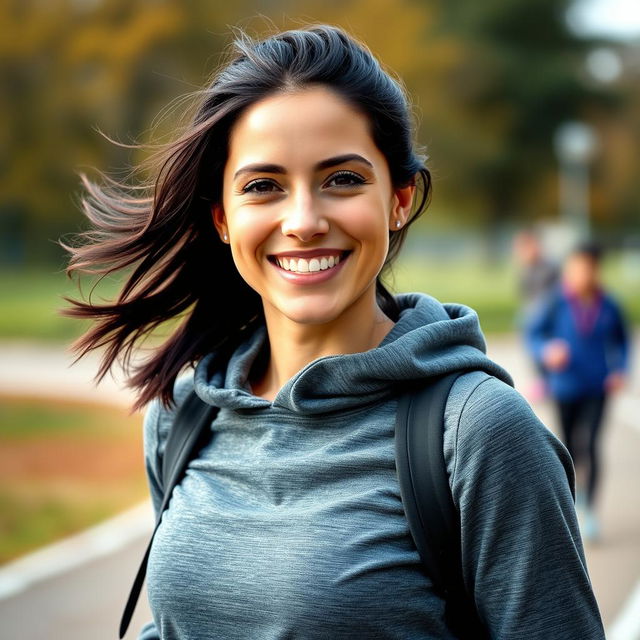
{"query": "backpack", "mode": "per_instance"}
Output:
(424, 486)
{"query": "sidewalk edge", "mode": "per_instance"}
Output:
(76, 550)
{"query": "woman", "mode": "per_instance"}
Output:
(271, 220)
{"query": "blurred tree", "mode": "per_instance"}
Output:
(491, 81)
(616, 193)
(521, 77)
(65, 67)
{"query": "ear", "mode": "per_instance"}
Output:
(401, 204)
(220, 222)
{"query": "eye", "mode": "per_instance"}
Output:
(345, 179)
(260, 185)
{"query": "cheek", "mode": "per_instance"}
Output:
(247, 233)
(367, 222)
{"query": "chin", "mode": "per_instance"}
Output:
(310, 318)
(307, 312)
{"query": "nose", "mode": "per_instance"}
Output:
(304, 219)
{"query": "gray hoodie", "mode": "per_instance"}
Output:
(290, 525)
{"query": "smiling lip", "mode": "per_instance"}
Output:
(310, 266)
(309, 253)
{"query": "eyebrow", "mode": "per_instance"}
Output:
(324, 164)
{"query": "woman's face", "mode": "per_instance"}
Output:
(307, 205)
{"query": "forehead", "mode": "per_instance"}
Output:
(300, 127)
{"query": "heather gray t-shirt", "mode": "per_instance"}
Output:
(290, 524)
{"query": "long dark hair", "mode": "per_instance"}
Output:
(163, 233)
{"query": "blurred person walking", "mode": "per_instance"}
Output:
(579, 336)
(537, 274)
(537, 280)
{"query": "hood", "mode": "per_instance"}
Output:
(429, 339)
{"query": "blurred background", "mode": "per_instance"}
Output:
(530, 115)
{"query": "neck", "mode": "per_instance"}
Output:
(294, 345)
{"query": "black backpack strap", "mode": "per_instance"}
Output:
(189, 433)
(433, 518)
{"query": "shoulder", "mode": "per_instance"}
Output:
(548, 307)
(158, 418)
(555, 300)
(492, 435)
(611, 302)
(483, 406)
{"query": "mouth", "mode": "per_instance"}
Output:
(316, 263)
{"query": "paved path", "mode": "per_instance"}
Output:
(85, 601)
(82, 598)
(48, 371)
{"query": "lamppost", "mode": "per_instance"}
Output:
(575, 145)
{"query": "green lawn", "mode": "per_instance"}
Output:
(31, 303)
(30, 300)
(491, 289)
(64, 467)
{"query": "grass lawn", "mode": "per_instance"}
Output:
(30, 300)
(491, 289)
(64, 467)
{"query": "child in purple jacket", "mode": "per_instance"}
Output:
(579, 337)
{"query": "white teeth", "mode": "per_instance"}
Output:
(313, 265)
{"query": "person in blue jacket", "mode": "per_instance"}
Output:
(266, 229)
(579, 336)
